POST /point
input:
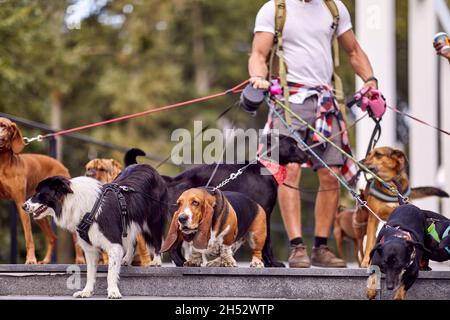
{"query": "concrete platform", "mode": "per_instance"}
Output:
(60, 281)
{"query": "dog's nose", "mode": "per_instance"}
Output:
(91, 173)
(25, 207)
(183, 218)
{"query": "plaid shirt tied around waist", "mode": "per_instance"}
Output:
(327, 108)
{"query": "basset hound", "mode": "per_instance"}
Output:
(215, 224)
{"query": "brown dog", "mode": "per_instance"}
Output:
(215, 224)
(105, 171)
(351, 224)
(19, 176)
(390, 165)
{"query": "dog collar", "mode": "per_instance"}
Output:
(383, 196)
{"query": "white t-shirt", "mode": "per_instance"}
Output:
(307, 38)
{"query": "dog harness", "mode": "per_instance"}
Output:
(89, 218)
(431, 230)
(380, 195)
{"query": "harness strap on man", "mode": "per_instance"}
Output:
(279, 64)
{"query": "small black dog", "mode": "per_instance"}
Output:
(255, 185)
(398, 251)
(437, 238)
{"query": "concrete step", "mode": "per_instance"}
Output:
(171, 282)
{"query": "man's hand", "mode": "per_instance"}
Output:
(260, 83)
(373, 83)
(438, 46)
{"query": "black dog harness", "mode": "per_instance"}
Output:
(89, 218)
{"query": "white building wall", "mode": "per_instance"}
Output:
(423, 99)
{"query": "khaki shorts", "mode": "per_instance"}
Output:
(308, 112)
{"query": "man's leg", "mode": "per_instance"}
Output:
(289, 201)
(327, 202)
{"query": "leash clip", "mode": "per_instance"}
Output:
(38, 138)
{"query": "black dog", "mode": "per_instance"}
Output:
(398, 251)
(106, 217)
(258, 187)
(437, 238)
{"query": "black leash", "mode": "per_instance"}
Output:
(375, 137)
(89, 218)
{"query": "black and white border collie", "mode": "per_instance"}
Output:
(67, 201)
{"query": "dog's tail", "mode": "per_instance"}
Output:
(130, 156)
(424, 192)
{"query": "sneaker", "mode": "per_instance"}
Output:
(324, 258)
(299, 257)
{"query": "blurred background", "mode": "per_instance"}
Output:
(69, 63)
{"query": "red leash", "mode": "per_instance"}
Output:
(143, 113)
(418, 120)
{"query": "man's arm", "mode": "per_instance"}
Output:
(257, 64)
(358, 58)
(438, 47)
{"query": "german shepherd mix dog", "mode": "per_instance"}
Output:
(399, 250)
(391, 165)
(106, 217)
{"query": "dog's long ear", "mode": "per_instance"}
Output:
(17, 143)
(445, 242)
(201, 239)
(401, 159)
(172, 234)
(378, 248)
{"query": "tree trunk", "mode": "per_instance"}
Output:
(202, 84)
(64, 243)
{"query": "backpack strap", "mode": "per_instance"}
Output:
(337, 81)
(277, 54)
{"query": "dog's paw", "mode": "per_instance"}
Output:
(114, 294)
(229, 263)
(31, 260)
(80, 260)
(256, 263)
(191, 264)
(83, 294)
(365, 263)
(156, 262)
(372, 294)
(45, 261)
(214, 263)
(126, 261)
